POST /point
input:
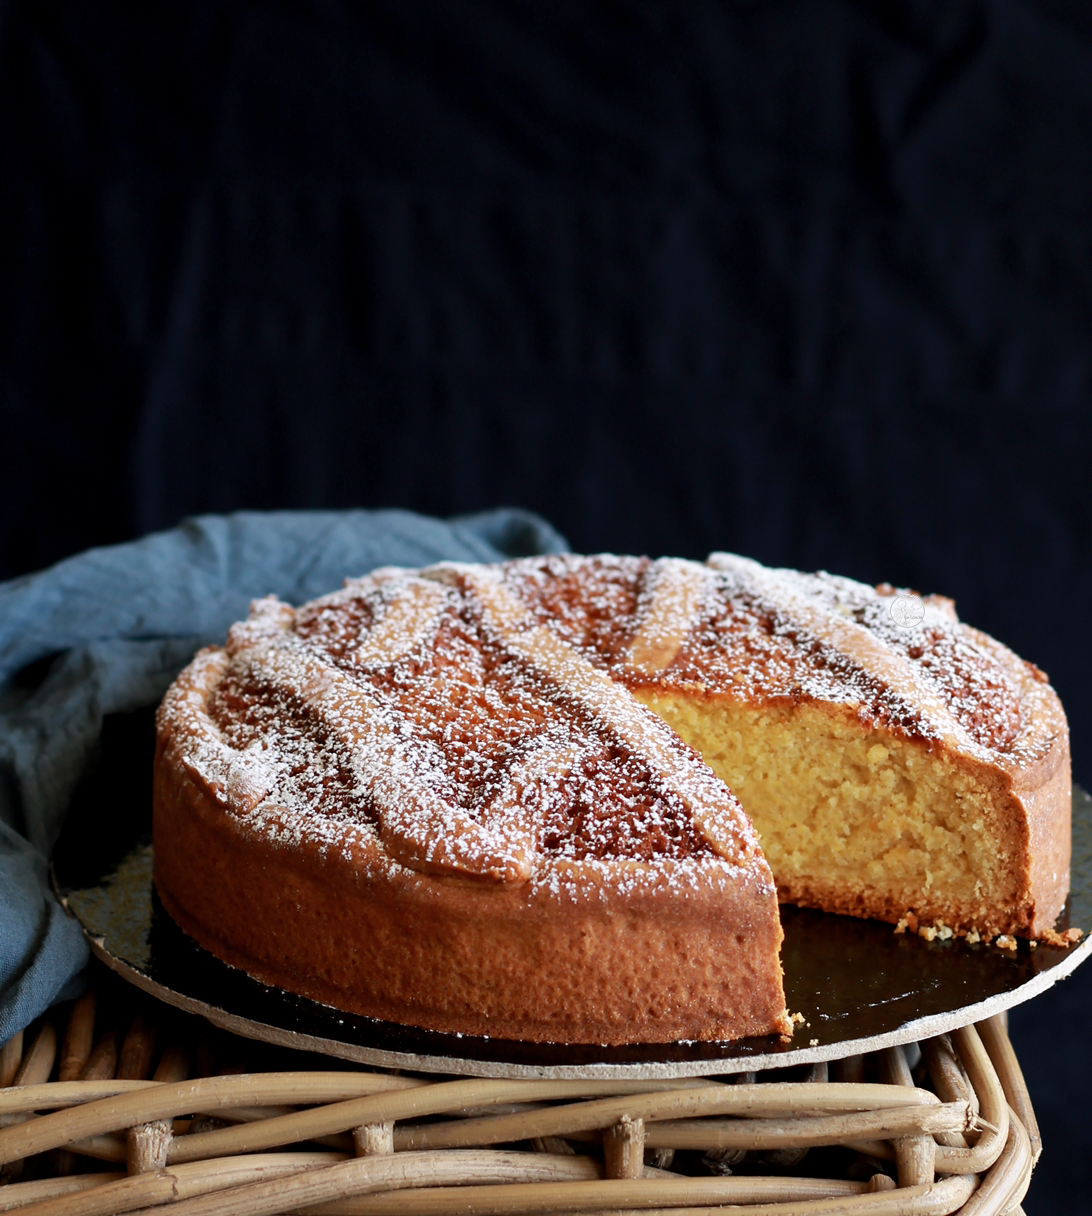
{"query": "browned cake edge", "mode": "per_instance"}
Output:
(1041, 791)
(582, 961)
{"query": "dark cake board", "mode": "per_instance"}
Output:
(859, 985)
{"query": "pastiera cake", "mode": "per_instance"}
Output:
(470, 798)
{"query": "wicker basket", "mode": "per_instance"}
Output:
(226, 1126)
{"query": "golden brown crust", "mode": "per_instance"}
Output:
(433, 798)
(1037, 774)
(403, 903)
(564, 965)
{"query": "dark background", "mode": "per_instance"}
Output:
(808, 281)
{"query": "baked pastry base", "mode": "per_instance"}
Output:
(672, 956)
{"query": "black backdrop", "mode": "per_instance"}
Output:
(809, 281)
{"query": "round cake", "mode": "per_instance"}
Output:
(495, 799)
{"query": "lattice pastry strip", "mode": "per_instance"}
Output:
(673, 604)
(903, 678)
(613, 709)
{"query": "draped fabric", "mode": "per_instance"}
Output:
(100, 636)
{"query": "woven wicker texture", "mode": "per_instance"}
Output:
(115, 1105)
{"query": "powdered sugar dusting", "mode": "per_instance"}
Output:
(595, 696)
(476, 721)
(781, 633)
(672, 604)
(765, 635)
(406, 711)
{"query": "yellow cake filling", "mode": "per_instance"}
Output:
(842, 809)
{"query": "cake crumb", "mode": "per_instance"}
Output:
(929, 932)
(901, 926)
(813, 1042)
(1052, 938)
(973, 937)
(1005, 942)
(798, 1018)
(1033, 944)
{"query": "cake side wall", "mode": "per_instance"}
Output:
(512, 963)
(1046, 795)
(1039, 781)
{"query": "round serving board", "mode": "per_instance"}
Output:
(859, 985)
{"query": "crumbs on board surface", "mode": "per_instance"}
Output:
(1003, 941)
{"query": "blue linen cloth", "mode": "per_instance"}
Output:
(119, 623)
